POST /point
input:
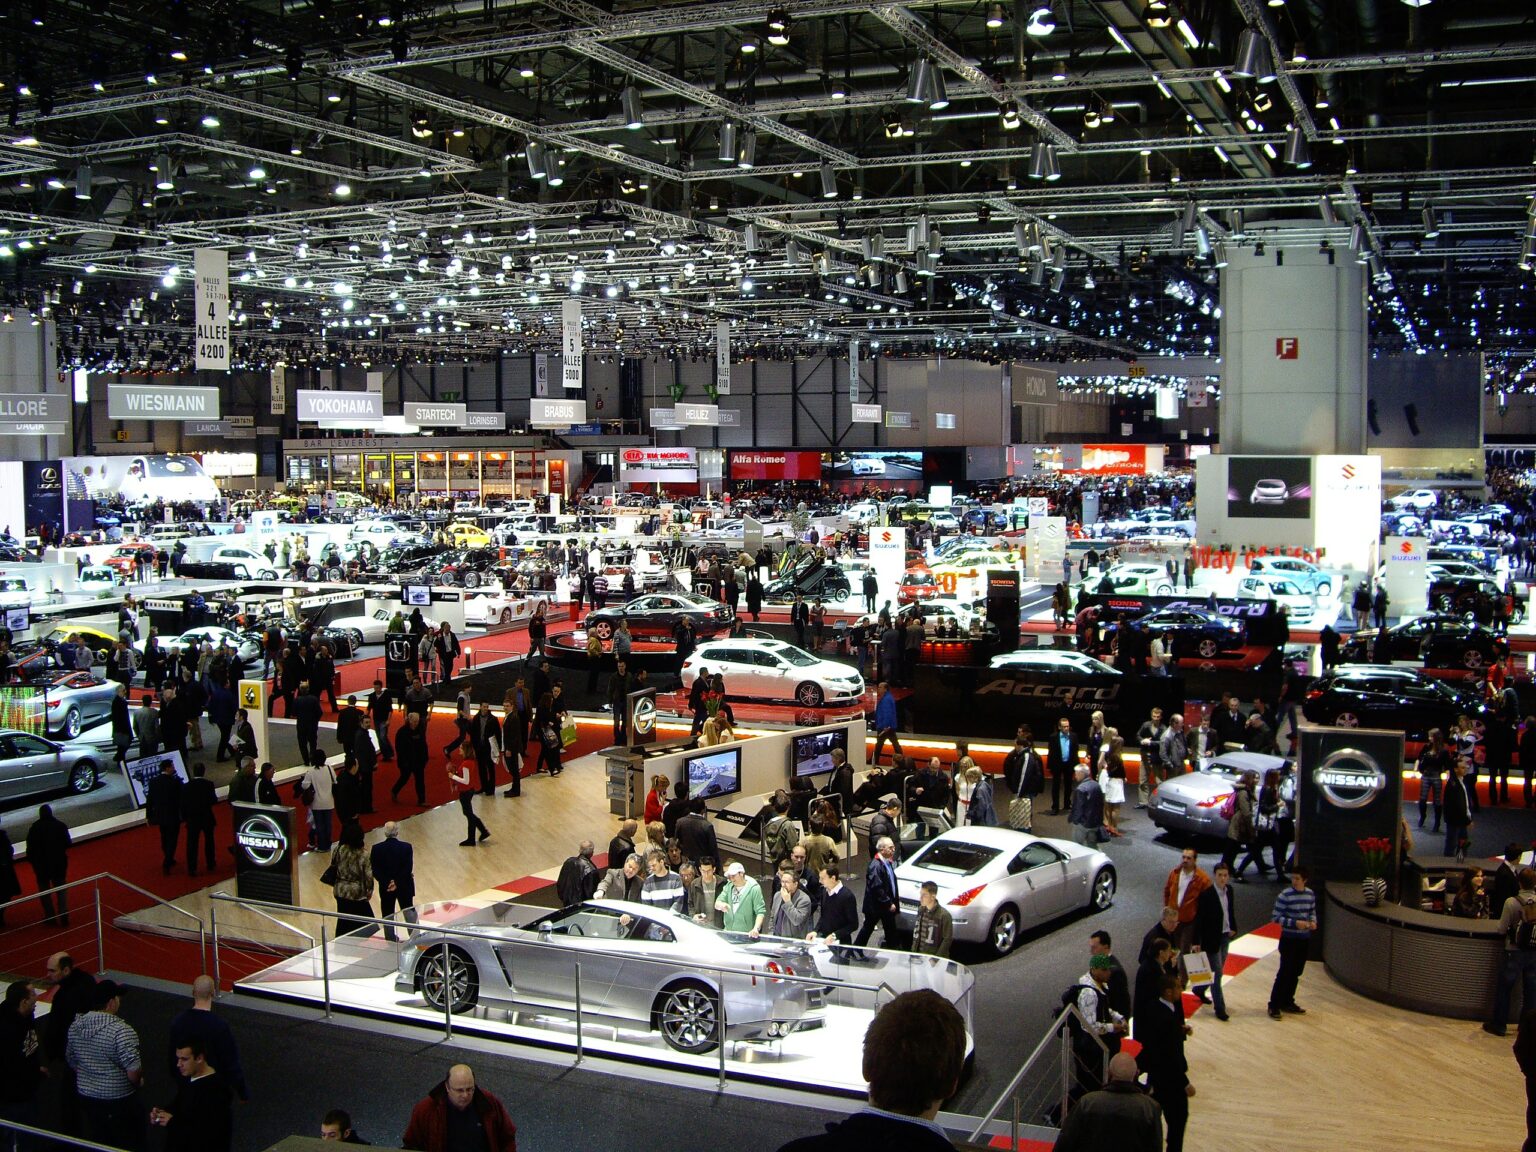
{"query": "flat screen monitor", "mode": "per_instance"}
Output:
(811, 754)
(418, 595)
(712, 774)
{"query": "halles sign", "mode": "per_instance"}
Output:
(359, 408)
(161, 402)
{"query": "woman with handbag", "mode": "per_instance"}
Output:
(1112, 779)
(546, 722)
(351, 871)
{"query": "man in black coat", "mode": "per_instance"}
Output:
(162, 808)
(48, 852)
(579, 877)
(623, 843)
(839, 910)
(305, 710)
(173, 720)
(885, 823)
(619, 688)
(1061, 750)
(485, 735)
(199, 800)
(1162, 1035)
(366, 752)
(381, 706)
(881, 901)
(800, 619)
(394, 871)
(411, 748)
(348, 720)
(1215, 928)
(696, 835)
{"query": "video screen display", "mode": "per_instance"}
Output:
(714, 774)
(811, 754)
(887, 465)
(1269, 487)
(418, 595)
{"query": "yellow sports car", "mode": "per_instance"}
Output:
(463, 534)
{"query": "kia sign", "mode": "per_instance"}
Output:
(697, 414)
(428, 414)
(658, 465)
(556, 413)
(342, 409)
(161, 402)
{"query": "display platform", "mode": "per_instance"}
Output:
(751, 712)
(357, 975)
(569, 650)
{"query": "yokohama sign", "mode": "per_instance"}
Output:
(775, 465)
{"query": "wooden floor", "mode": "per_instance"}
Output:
(1351, 1074)
(530, 835)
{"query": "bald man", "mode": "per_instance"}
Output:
(458, 1114)
(1119, 1115)
(212, 1034)
(394, 870)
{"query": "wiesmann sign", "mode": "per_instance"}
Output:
(161, 402)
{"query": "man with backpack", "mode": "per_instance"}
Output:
(780, 834)
(1518, 923)
(1091, 996)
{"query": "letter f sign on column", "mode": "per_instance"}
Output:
(1287, 347)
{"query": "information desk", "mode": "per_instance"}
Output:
(1424, 961)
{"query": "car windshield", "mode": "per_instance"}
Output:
(796, 656)
(956, 856)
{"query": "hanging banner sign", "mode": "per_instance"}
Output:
(429, 414)
(665, 420)
(541, 375)
(701, 414)
(570, 346)
(486, 421)
(723, 357)
(208, 428)
(898, 420)
(210, 268)
(866, 414)
(853, 371)
(556, 413)
(730, 418)
(347, 409)
(279, 391)
(161, 402)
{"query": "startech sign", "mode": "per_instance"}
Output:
(161, 402)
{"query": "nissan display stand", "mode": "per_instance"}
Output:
(266, 853)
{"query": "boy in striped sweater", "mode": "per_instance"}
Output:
(1296, 913)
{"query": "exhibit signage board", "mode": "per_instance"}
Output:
(485, 421)
(210, 269)
(1046, 547)
(339, 409)
(696, 414)
(756, 465)
(33, 414)
(432, 414)
(995, 701)
(1262, 626)
(865, 414)
(161, 402)
(888, 558)
(556, 413)
(1349, 786)
(399, 659)
(252, 695)
(658, 465)
(723, 357)
(1406, 580)
(570, 347)
(266, 852)
(641, 715)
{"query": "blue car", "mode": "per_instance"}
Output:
(1193, 632)
(1306, 575)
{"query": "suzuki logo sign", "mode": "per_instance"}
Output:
(1287, 347)
(1406, 547)
(1348, 471)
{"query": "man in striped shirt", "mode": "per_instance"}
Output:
(663, 888)
(1296, 913)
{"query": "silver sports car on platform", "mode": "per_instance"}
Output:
(76, 701)
(997, 882)
(530, 967)
(1193, 802)
(30, 765)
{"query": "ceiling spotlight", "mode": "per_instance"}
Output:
(1254, 61)
(1356, 236)
(1262, 102)
(210, 121)
(1235, 224)
(778, 27)
(996, 17)
(1187, 30)
(1052, 171)
(938, 97)
(535, 160)
(837, 88)
(1091, 116)
(1418, 3)
(342, 190)
(257, 172)
(1011, 118)
(1203, 242)
(1298, 153)
(1325, 209)
(1042, 21)
(748, 43)
(726, 153)
(919, 81)
(749, 237)
(629, 105)
(1220, 260)
(1021, 237)
(828, 181)
(83, 182)
(792, 252)
(1157, 14)
(164, 180)
(556, 176)
(748, 156)
(1431, 223)
(293, 61)
(1106, 112)
(1037, 162)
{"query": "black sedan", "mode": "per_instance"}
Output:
(1380, 696)
(1440, 641)
(1193, 632)
(658, 614)
(407, 558)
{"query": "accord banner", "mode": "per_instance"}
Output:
(345, 409)
(1262, 626)
(994, 702)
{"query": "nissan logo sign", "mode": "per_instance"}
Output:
(645, 716)
(1349, 778)
(262, 840)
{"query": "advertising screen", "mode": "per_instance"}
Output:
(756, 465)
(886, 465)
(712, 774)
(24, 709)
(811, 754)
(1269, 487)
(141, 772)
(171, 477)
(418, 595)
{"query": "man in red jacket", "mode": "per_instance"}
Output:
(456, 1114)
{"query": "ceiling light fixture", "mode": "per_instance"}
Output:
(1157, 14)
(536, 168)
(1011, 118)
(778, 27)
(1052, 170)
(1325, 208)
(748, 43)
(1298, 153)
(342, 190)
(828, 181)
(257, 172)
(1253, 57)
(1037, 161)
(938, 96)
(726, 153)
(919, 81)
(629, 105)
(748, 156)
(83, 182)
(164, 180)
(1431, 222)
(1042, 21)
(1186, 30)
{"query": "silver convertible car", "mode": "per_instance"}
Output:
(1192, 803)
(30, 765)
(997, 882)
(76, 701)
(530, 967)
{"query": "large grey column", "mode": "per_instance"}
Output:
(1293, 342)
(28, 364)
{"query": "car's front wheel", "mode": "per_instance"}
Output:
(688, 1015)
(1472, 658)
(71, 726)
(1103, 893)
(1346, 720)
(1004, 931)
(602, 629)
(452, 981)
(1207, 648)
(471, 579)
(839, 595)
(809, 695)
(1325, 588)
(267, 574)
(82, 777)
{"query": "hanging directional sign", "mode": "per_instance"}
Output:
(210, 268)
(570, 346)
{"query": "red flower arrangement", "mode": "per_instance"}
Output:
(1376, 850)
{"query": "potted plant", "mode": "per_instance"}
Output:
(1377, 851)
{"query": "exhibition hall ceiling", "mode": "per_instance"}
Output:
(408, 180)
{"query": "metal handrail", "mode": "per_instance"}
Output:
(50, 1139)
(202, 931)
(228, 898)
(1052, 1034)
